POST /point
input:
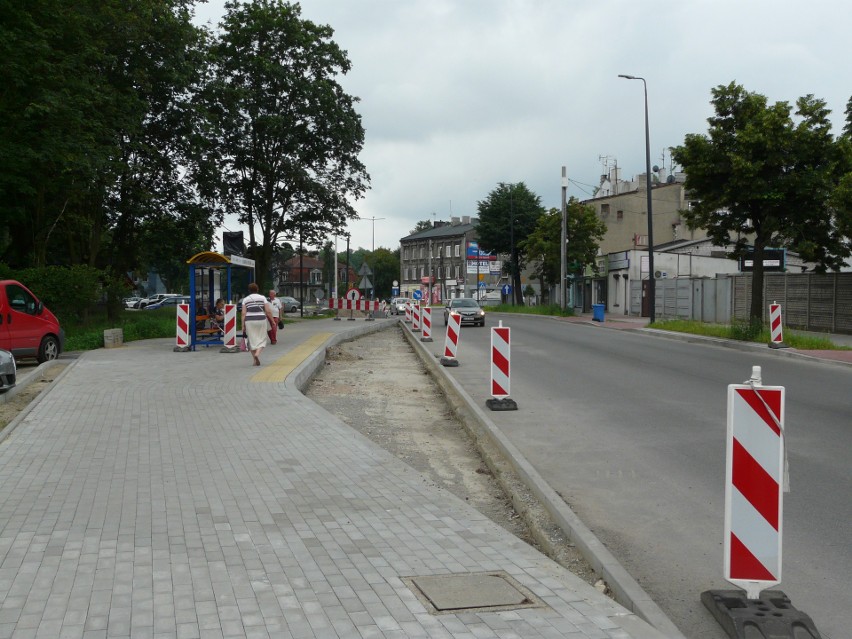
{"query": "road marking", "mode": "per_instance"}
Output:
(278, 370)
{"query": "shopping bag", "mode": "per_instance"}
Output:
(244, 344)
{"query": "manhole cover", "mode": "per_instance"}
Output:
(477, 591)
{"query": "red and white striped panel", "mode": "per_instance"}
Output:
(754, 487)
(451, 343)
(182, 333)
(775, 323)
(408, 311)
(230, 340)
(500, 358)
(415, 318)
(426, 313)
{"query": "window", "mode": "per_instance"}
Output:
(316, 276)
(619, 215)
(458, 249)
(449, 252)
(604, 210)
(421, 252)
(20, 300)
(405, 274)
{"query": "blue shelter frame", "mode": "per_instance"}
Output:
(203, 268)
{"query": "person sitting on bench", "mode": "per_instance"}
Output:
(217, 315)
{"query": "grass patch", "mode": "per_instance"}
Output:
(135, 325)
(747, 332)
(547, 309)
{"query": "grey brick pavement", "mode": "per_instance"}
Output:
(161, 494)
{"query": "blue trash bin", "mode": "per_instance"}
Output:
(598, 312)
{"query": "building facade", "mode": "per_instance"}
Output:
(447, 255)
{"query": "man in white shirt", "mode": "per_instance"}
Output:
(276, 305)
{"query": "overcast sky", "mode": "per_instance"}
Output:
(459, 95)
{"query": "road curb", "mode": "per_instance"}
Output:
(626, 589)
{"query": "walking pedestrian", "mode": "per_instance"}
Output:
(276, 305)
(257, 313)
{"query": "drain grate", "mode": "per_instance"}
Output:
(471, 591)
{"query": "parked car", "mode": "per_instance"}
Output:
(397, 306)
(168, 302)
(8, 371)
(153, 299)
(130, 302)
(289, 304)
(27, 327)
(467, 308)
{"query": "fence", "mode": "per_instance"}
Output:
(811, 301)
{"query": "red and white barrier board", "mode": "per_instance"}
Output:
(408, 312)
(451, 343)
(230, 337)
(344, 304)
(500, 361)
(415, 317)
(754, 486)
(182, 332)
(426, 324)
(775, 323)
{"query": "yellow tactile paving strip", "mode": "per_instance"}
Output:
(278, 370)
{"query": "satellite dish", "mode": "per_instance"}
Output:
(656, 168)
(670, 179)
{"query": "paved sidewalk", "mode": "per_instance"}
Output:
(188, 495)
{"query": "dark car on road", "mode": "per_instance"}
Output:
(467, 308)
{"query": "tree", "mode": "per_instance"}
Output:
(288, 135)
(506, 217)
(385, 265)
(763, 179)
(95, 126)
(422, 225)
(584, 231)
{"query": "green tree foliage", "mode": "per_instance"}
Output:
(97, 129)
(422, 225)
(767, 180)
(506, 218)
(584, 231)
(385, 265)
(287, 135)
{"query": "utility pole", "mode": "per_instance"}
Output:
(563, 265)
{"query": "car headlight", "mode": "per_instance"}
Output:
(481, 312)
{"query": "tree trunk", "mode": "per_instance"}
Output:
(756, 311)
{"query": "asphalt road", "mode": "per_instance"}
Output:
(630, 429)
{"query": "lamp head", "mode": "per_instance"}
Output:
(628, 77)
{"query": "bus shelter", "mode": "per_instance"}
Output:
(210, 277)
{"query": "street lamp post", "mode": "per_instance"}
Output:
(651, 287)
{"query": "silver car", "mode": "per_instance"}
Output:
(8, 371)
(398, 305)
(289, 304)
(468, 309)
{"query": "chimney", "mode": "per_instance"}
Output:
(454, 221)
(465, 219)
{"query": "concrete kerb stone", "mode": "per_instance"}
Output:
(737, 345)
(31, 377)
(625, 588)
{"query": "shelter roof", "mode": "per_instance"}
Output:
(209, 258)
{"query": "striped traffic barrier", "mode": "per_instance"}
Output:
(755, 481)
(415, 318)
(451, 342)
(775, 327)
(230, 336)
(426, 322)
(408, 312)
(501, 356)
(754, 485)
(182, 332)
